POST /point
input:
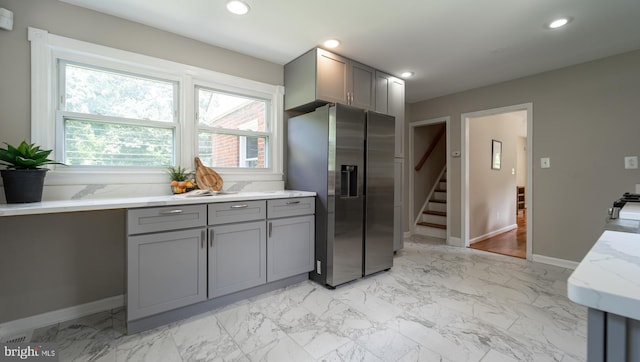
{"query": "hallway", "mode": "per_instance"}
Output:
(511, 243)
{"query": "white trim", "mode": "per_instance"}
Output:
(453, 241)
(46, 48)
(464, 117)
(61, 315)
(563, 263)
(412, 126)
(406, 234)
(493, 233)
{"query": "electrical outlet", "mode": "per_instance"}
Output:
(545, 162)
(631, 162)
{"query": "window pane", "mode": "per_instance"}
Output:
(98, 91)
(230, 111)
(107, 144)
(223, 150)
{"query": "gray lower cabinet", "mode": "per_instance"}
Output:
(165, 271)
(237, 257)
(290, 246)
(291, 237)
(182, 255)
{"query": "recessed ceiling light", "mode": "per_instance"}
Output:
(406, 74)
(332, 43)
(238, 7)
(558, 23)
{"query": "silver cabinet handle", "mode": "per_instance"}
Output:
(293, 202)
(239, 206)
(169, 212)
(270, 228)
(211, 237)
(202, 239)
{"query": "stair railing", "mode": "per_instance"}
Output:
(429, 150)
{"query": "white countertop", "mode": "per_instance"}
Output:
(608, 278)
(49, 207)
(630, 211)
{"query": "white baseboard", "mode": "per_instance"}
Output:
(493, 233)
(455, 242)
(61, 315)
(555, 261)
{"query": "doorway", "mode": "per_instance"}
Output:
(496, 167)
(420, 186)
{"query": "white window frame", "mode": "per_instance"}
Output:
(47, 48)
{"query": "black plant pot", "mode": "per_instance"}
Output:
(22, 186)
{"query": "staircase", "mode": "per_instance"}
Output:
(433, 221)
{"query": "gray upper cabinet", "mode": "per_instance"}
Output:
(390, 100)
(319, 77)
(165, 271)
(362, 93)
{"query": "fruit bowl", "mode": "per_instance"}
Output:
(180, 187)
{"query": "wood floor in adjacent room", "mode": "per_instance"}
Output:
(512, 243)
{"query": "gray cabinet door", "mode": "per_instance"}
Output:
(290, 247)
(165, 271)
(382, 92)
(362, 86)
(237, 257)
(389, 93)
(396, 109)
(332, 72)
(398, 240)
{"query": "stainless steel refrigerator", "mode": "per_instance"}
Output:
(345, 155)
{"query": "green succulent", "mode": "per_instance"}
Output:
(178, 173)
(25, 156)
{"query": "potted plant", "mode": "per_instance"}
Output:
(23, 177)
(180, 179)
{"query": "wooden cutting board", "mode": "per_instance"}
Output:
(206, 178)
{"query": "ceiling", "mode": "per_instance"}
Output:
(450, 45)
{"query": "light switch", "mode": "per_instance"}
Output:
(545, 162)
(631, 162)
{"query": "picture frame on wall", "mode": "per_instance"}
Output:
(496, 154)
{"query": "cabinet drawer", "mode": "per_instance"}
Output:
(230, 212)
(141, 221)
(291, 207)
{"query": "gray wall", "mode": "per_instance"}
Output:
(56, 261)
(585, 118)
(49, 262)
(492, 193)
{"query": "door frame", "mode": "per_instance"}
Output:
(465, 118)
(412, 127)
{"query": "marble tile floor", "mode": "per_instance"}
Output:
(437, 303)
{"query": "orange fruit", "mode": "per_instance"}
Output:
(174, 183)
(182, 184)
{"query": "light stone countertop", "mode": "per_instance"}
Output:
(50, 207)
(608, 278)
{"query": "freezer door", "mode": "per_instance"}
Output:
(378, 248)
(346, 154)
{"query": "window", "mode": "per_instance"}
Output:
(233, 130)
(109, 118)
(120, 117)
